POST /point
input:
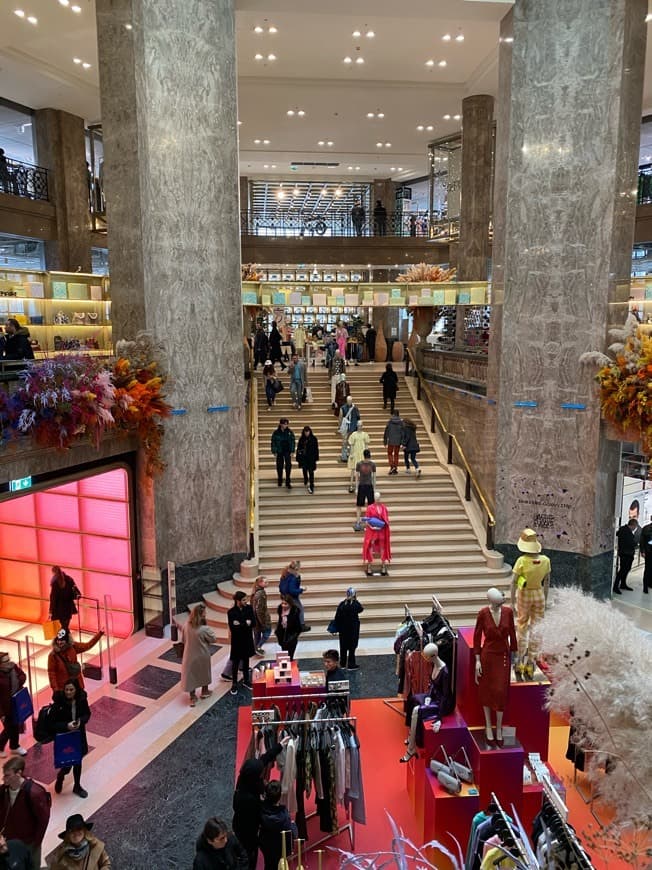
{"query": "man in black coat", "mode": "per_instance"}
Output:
(14, 855)
(347, 621)
(17, 344)
(626, 536)
(217, 849)
(241, 625)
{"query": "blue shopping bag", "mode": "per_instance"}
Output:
(67, 749)
(21, 705)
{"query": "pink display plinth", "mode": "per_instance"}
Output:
(525, 707)
(497, 770)
(447, 816)
(415, 778)
(452, 735)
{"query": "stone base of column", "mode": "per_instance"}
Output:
(198, 578)
(592, 574)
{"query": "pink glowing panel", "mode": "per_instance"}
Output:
(104, 517)
(118, 586)
(110, 484)
(57, 511)
(65, 488)
(123, 624)
(19, 578)
(18, 510)
(107, 554)
(59, 548)
(19, 542)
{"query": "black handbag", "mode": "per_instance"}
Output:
(277, 385)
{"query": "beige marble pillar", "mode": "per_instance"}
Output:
(563, 250)
(168, 88)
(475, 209)
(61, 148)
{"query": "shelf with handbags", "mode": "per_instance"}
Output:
(62, 311)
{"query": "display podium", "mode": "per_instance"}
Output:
(447, 816)
(525, 707)
(498, 770)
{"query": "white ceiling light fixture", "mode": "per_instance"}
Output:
(258, 57)
(420, 128)
(321, 142)
(86, 65)
(296, 191)
(347, 59)
(430, 128)
(400, 169)
(32, 19)
(290, 112)
(359, 60)
(457, 117)
(76, 9)
(271, 57)
(442, 63)
(272, 29)
(266, 142)
(64, 2)
(257, 28)
(19, 13)
(508, 39)
(129, 27)
(648, 18)
(370, 34)
(257, 141)
(388, 144)
(378, 114)
(265, 165)
(349, 168)
(446, 117)
(379, 144)
(459, 37)
(356, 34)
(392, 169)
(76, 60)
(430, 63)
(330, 143)
(239, 123)
(357, 168)
(446, 37)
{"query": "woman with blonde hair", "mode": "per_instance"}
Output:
(196, 661)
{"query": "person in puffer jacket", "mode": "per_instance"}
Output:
(274, 818)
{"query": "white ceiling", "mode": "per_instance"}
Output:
(37, 70)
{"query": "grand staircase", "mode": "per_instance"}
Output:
(434, 548)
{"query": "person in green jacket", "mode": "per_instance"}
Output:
(283, 446)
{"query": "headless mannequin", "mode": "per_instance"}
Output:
(496, 599)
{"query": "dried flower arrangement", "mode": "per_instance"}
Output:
(422, 273)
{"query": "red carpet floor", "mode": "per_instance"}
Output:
(381, 733)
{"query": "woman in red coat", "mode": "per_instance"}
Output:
(494, 644)
(377, 541)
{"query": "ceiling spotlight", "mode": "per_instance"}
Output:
(648, 18)
(321, 142)
(239, 123)
(271, 57)
(446, 37)
(430, 127)
(256, 141)
(257, 28)
(19, 13)
(64, 2)
(355, 34)
(400, 169)
(459, 37)
(266, 142)
(388, 144)
(447, 117)
(457, 117)
(370, 34)
(272, 29)
(359, 60)
(430, 63)
(258, 57)
(330, 144)
(379, 144)
(370, 115)
(338, 191)
(324, 190)
(301, 113)
(511, 38)
(442, 63)
(86, 65)
(290, 112)
(350, 167)
(392, 169)
(420, 127)
(76, 9)
(76, 60)
(347, 60)
(357, 167)
(380, 115)
(280, 194)
(129, 27)
(265, 165)
(32, 19)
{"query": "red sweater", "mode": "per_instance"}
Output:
(28, 818)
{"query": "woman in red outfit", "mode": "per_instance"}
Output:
(493, 659)
(376, 541)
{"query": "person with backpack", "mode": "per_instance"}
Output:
(12, 678)
(290, 587)
(62, 661)
(70, 712)
(24, 808)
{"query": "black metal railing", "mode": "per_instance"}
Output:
(23, 179)
(300, 224)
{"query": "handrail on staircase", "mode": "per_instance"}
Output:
(453, 443)
(251, 423)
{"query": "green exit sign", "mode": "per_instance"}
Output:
(21, 483)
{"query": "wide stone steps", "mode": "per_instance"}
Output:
(434, 548)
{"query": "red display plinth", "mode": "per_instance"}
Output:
(415, 778)
(497, 770)
(447, 816)
(525, 708)
(453, 734)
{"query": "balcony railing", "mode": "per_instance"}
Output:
(297, 224)
(23, 179)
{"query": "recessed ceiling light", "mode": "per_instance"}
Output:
(271, 57)
(301, 113)
(290, 112)
(32, 19)
(19, 13)
(129, 27)
(511, 38)
(258, 57)
(388, 144)
(442, 63)
(379, 144)
(265, 165)
(338, 192)
(370, 34)
(273, 165)
(430, 127)
(347, 60)
(86, 65)
(359, 60)
(266, 142)
(64, 2)
(430, 63)
(370, 115)
(324, 190)
(447, 117)
(392, 169)
(280, 194)
(648, 18)
(296, 191)
(321, 142)
(239, 123)
(400, 169)
(272, 29)
(420, 127)
(355, 34)
(380, 115)
(256, 141)
(357, 167)
(459, 37)
(257, 28)
(456, 117)
(330, 144)
(76, 9)
(350, 167)
(446, 37)
(76, 60)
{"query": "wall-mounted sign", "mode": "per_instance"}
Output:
(20, 484)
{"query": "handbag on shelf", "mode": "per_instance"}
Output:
(451, 773)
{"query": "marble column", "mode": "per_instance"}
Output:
(61, 148)
(571, 94)
(475, 209)
(168, 90)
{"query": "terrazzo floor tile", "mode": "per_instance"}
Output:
(150, 682)
(108, 715)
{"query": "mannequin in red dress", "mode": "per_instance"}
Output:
(494, 645)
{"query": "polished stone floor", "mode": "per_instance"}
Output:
(156, 817)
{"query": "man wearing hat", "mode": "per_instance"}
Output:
(530, 583)
(347, 622)
(79, 848)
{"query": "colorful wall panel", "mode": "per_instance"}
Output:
(84, 527)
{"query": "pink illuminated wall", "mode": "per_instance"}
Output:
(82, 526)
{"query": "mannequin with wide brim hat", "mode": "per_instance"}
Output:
(529, 591)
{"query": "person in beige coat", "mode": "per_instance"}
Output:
(358, 442)
(196, 661)
(80, 850)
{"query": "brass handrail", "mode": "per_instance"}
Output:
(453, 442)
(253, 400)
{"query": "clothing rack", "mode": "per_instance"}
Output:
(396, 704)
(349, 827)
(560, 809)
(523, 856)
